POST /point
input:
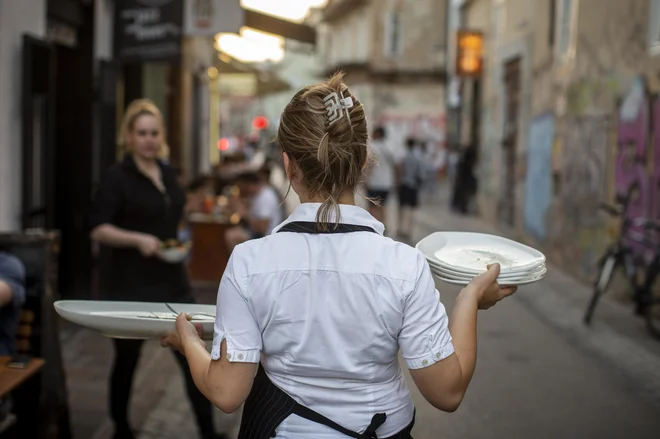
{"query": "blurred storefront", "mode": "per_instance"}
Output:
(46, 55)
(68, 69)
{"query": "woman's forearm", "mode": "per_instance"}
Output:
(225, 384)
(463, 329)
(212, 383)
(199, 361)
(6, 295)
(113, 236)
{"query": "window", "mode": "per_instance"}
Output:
(566, 18)
(654, 27)
(393, 35)
(363, 39)
(551, 26)
(499, 20)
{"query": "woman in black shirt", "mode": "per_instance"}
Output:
(139, 205)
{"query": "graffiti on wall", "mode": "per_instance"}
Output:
(637, 172)
(631, 179)
(584, 171)
(576, 231)
(538, 179)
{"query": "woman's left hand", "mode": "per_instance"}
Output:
(184, 330)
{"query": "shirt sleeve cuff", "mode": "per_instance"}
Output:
(234, 355)
(431, 357)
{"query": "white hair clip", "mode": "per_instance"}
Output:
(337, 105)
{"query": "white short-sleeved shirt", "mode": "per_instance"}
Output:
(381, 176)
(330, 312)
(266, 205)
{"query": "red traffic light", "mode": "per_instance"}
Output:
(260, 123)
(223, 144)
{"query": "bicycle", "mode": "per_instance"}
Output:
(622, 253)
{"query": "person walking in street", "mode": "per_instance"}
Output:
(325, 303)
(465, 182)
(410, 178)
(381, 174)
(138, 206)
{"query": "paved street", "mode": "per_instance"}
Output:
(540, 373)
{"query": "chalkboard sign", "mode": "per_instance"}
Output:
(148, 30)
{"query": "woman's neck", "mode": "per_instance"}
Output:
(145, 164)
(346, 197)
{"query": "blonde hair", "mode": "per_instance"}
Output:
(137, 108)
(330, 157)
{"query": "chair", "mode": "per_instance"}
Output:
(42, 401)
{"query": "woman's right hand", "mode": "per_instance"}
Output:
(148, 245)
(486, 288)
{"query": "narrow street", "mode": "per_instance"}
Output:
(540, 374)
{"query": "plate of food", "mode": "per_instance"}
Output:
(174, 251)
(134, 320)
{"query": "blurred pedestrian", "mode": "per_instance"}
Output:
(380, 176)
(411, 174)
(311, 319)
(465, 181)
(138, 206)
(12, 297)
(259, 205)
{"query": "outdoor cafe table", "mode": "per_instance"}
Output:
(10, 378)
(209, 253)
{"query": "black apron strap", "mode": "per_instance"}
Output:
(314, 228)
(268, 406)
(370, 433)
(265, 408)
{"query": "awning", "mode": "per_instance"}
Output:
(283, 28)
(267, 82)
(340, 8)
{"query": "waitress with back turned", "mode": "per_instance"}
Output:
(328, 301)
(138, 206)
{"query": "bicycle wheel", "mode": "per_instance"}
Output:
(601, 285)
(652, 315)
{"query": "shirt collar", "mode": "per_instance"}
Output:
(349, 214)
(129, 163)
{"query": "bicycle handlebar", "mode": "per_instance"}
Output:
(646, 224)
(612, 210)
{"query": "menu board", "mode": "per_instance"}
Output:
(148, 30)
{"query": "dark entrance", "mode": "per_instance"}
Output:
(57, 140)
(512, 72)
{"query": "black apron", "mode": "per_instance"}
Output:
(268, 406)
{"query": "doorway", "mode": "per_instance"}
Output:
(37, 108)
(512, 80)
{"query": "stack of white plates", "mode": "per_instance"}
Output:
(458, 257)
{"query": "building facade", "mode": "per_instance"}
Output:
(64, 86)
(568, 119)
(393, 54)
